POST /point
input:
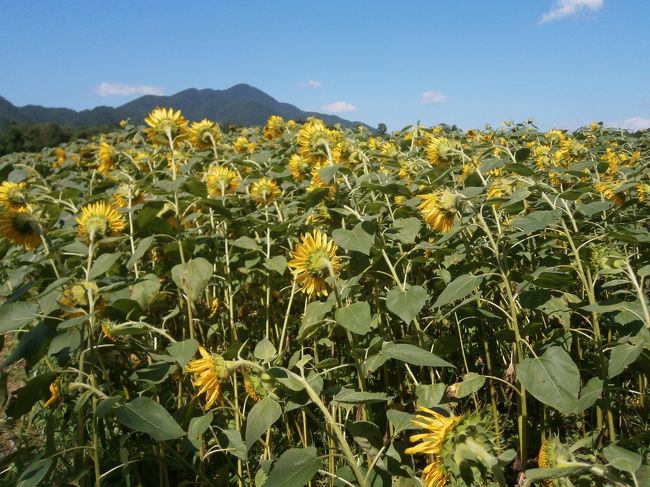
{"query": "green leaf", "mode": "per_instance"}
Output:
(408, 303)
(314, 314)
(400, 420)
(623, 355)
(413, 355)
(471, 383)
(154, 373)
(235, 444)
(193, 277)
(355, 317)
(14, 316)
(430, 395)
(35, 473)
(67, 342)
(589, 394)
(327, 173)
(457, 289)
(265, 350)
(537, 220)
(183, 351)
(356, 239)
(622, 459)
(197, 427)
(246, 243)
(277, 264)
(105, 406)
(533, 474)
(145, 290)
(140, 250)
(295, 468)
(552, 378)
(32, 345)
(102, 264)
(405, 229)
(260, 418)
(147, 416)
(24, 398)
(350, 396)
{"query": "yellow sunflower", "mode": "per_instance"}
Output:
(107, 156)
(209, 372)
(441, 150)
(313, 260)
(243, 146)
(317, 182)
(642, 190)
(264, 190)
(60, 155)
(274, 127)
(204, 133)
(20, 228)
(439, 208)
(299, 167)
(100, 219)
(608, 189)
(221, 181)
(13, 196)
(122, 193)
(571, 151)
(314, 141)
(165, 123)
(54, 395)
(439, 429)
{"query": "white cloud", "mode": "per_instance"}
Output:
(565, 8)
(312, 83)
(120, 89)
(634, 123)
(339, 107)
(433, 98)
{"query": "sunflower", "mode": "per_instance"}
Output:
(274, 127)
(264, 190)
(570, 151)
(555, 136)
(608, 189)
(54, 395)
(107, 156)
(124, 192)
(312, 261)
(243, 146)
(209, 372)
(439, 429)
(502, 187)
(299, 167)
(318, 183)
(315, 140)
(60, 155)
(20, 228)
(165, 124)
(204, 133)
(100, 218)
(13, 196)
(221, 181)
(439, 208)
(441, 150)
(642, 190)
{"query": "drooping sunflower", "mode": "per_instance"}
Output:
(209, 372)
(439, 428)
(221, 181)
(642, 190)
(608, 189)
(165, 123)
(441, 150)
(317, 182)
(502, 187)
(13, 195)
(570, 151)
(100, 219)
(243, 146)
(274, 127)
(20, 228)
(313, 260)
(204, 133)
(315, 140)
(107, 156)
(264, 191)
(299, 167)
(54, 395)
(439, 208)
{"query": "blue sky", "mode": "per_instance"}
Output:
(563, 63)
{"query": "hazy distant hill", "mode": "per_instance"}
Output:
(240, 104)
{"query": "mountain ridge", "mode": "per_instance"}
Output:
(241, 104)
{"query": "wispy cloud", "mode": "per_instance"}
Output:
(120, 89)
(433, 98)
(339, 107)
(566, 8)
(634, 123)
(312, 83)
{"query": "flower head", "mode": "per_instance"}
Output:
(20, 228)
(441, 150)
(221, 181)
(209, 372)
(315, 140)
(60, 155)
(299, 167)
(264, 190)
(274, 127)
(314, 259)
(13, 196)
(165, 123)
(439, 208)
(100, 219)
(609, 191)
(204, 133)
(106, 155)
(642, 190)
(243, 146)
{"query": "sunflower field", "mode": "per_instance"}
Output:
(184, 304)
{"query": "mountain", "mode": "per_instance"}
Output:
(241, 104)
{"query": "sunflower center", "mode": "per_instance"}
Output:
(22, 224)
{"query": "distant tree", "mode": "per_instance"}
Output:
(382, 129)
